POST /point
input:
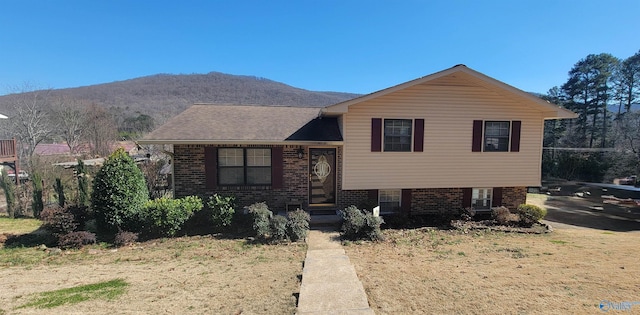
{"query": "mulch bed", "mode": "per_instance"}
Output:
(538, 228)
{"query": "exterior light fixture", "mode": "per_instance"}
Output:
(300, 152)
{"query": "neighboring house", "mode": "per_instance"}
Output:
(446, 141)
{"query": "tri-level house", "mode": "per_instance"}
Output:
(450, 140)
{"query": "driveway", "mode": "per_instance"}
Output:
(589, 212)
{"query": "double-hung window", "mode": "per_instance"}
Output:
(481, 198)
(397, 135)
(389, 200)
(244, 166)
(496, 136)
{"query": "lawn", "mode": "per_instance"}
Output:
(18, 226)
(195, 275)
(449, 272)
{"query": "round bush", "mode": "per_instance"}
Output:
(119, 193)
(530, 214)
(58, 221)
(76, 239)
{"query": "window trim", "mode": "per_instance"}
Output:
(474, 200)
(411, 136)
(245, 167)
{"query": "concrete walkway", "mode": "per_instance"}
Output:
(329, 281)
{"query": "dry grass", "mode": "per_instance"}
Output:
(448, 272)
(18, 226)
(194, 275)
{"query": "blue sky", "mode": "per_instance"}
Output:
(347, 46)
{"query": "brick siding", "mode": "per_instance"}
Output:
(190, 180)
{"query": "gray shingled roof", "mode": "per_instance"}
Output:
(210, 123)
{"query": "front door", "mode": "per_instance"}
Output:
(322, 176)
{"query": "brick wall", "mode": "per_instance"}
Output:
(512, 197)
(435, 200)
(351, 197)
(190, 178)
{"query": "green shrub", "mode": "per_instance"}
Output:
(80, 214)
(261, 219)
(165, 216)
(222, 209)
(37, 205)
(502, 215)
(119, 194)
(8, 186)
(530, 214)
(59, 189)
(58, 221)
(357, 224)
(298, 225)
(278, 228)
(76, 239)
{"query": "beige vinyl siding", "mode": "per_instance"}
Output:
(449, 108)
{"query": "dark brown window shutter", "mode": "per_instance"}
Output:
(496, 199)
(405, 205)
(277, 168)
(516, 125)
(211, 167)
(476, 145)
(376, 134)
(418, 136)
(373, 195)
(466, 197)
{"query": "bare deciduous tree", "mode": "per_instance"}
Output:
(70, 117)
(100, 130)
(30, 120)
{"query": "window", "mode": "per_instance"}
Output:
(389, 200)
(397, 135)
(496, 136)
(244, 166)
(481, 198)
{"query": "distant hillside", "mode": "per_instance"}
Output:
(164, 95)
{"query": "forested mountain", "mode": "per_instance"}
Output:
(100, 114)
(164, 95)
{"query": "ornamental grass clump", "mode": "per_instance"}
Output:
(502, 215)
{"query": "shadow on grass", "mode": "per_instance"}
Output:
(33, 239)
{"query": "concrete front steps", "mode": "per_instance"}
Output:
(330, 284)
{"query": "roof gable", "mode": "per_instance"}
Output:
(463, 75)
